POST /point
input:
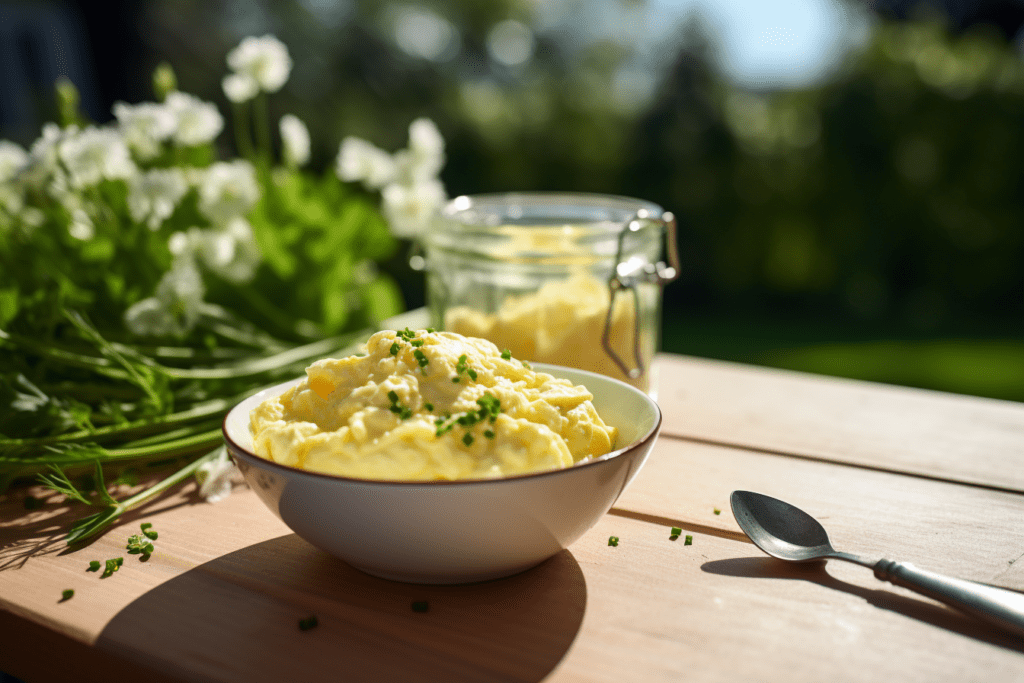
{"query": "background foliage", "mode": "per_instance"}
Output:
(868, 225)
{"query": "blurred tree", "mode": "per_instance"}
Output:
(893, 191)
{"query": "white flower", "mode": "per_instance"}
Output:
(214, 476)
(425, 140)
(409, 208)
(196, 122)
(94, 154)
(264, 60)
(228, 190)
(153, 196)
(81, 226)
(44, 155)
(174, 309)
(361, 161)
(240, 87)
(424, 157)
(12, 159)
(294, 140)
(11, 200)
(230, 251)
(145, 126)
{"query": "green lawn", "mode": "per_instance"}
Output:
(989, 365)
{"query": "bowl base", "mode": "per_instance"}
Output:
(451, 578)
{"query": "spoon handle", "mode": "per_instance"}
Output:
(996, 605)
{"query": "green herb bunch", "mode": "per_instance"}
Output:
(147, 284)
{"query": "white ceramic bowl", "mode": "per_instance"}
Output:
(453, 531)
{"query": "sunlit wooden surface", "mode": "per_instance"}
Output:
(934, 479)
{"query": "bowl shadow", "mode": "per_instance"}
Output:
(922, 609)
(237, 617)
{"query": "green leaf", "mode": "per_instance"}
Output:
(381, 299)
(87, 526)
(8, 304)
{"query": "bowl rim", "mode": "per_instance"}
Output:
(235, 449)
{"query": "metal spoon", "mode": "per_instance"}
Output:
(790, 534)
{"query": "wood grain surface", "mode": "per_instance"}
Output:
(222, 596)
(963, 439)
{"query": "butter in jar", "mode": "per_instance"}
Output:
(567, 279)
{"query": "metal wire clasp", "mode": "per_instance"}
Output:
(627, 275)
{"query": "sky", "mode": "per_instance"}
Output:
(776, 43)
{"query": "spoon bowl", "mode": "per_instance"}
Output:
(780, 529)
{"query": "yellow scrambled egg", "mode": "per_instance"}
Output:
(429, 405)
(562, 323)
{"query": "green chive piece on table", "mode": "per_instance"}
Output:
(67, 594)
(94, 566)
(676, 531)
(717, 511)
(689, 540)
(613, 540)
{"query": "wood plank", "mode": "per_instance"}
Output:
(966, 531)
(649, 609)
(713, 611)
(960, 438)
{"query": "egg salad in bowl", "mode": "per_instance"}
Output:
(426, 406)
(405, 459)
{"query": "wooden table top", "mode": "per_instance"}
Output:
(916, 476)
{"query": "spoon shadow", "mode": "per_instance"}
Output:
(922, 610)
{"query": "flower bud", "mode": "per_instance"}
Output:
(164, 81)
(68, 100)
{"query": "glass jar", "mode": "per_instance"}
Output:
(567, 279)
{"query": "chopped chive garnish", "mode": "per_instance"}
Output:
(506, 354)
(394, 349)
(421, 358)
(67, 594)
(308, 623)
(455, 380)
(420, 606)
(526, 365)
(112, 566)
(431, 330)
(403, 412)
(676, 531)
(429, 406)
(717, 511)
(472, 373)
(468, 439)
(151, 534)
(137, 544)
(146, 525)
(613, 540)
(417, 342)
(688, 540)
(94, 566)
(489, 434)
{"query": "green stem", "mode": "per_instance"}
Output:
(261, 120)
(76, 455)
(243, 139)
(267, 363)
(93, 524)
